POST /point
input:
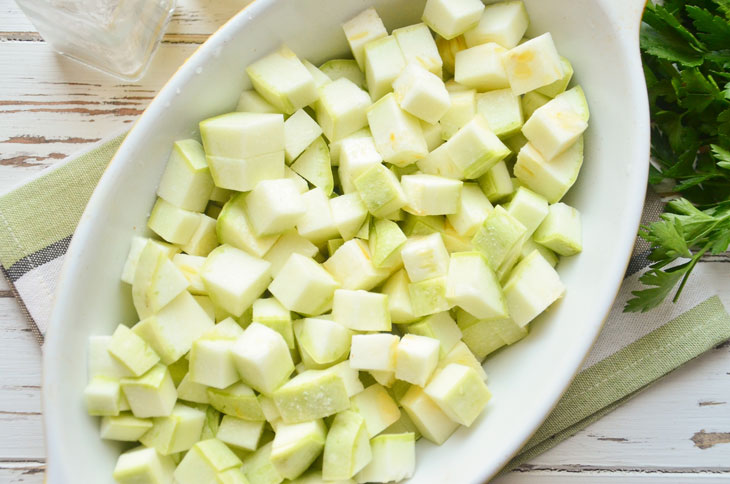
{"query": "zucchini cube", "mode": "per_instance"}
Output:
(237, 400)
(361, 310)
(296, 446)
(177, 432)
(101, 362)
(234, 228)
(273, 314)
(496, 183)
(204, 239)
(559, 86)
(157, 281)
(503, 111)
(460, 393)
(316, 223)
(504, 23)
(234, 279)
(231, 476)
(380, 191)
(172, 223)
(274, 206)
(341, 109)
(300, 182)
(239, 433)
(398, 135)
(259, 469)
(204, 461)
(551, 179)
(500, 239)
(432, 134)
(474, 149)
(448, 49)
(531, 288)
(421, 93)
(304, 286)
(283, 81)
(377, 408)
(243, 174)
(473, 286)
(556, 126)
(399, 299)
(480, 67)
(325, 342)
(383, 62)
(428, 417)
(289, 243)
(356, 156)
(190, 266)
(531, 101)
(385, 243)
(152, 394)
(361, 29)
(450, 18)
(463, 109)
(241, 136)
(394, 459)
(425, 257)
(320, 78)
(193, 392)
(251, 102)
(135, 251)
(482, 337)
(132, 351)
(103, 396)
(471, 212)
(299, 132)
(429, 296)
(533, 64)
(349, 376)
(262, 358)
(547, 254)
(172, 331)
(416, 358)
(211, 363)
(311, 395)
(431, 195)
(314, 166)
(143, 465)
(529, 208)
(417, 46)
(348, 213)
(462, 355)
(348, 68)
(347, 448)
(336, 145)
(186, 182)
(439, 326)
(561, 230)
(374, 352)
(124, 427)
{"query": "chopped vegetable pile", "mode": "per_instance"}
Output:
(334, 263)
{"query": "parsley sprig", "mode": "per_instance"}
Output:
(686, 53)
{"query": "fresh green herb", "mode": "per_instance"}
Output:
(686, 53)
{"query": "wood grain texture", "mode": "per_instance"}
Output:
(30, 472)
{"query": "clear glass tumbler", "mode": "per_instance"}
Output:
(115, 36)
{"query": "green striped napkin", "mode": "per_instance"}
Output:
(37, 221)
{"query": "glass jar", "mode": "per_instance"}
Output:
(115, 36)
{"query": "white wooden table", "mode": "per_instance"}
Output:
(678, 431)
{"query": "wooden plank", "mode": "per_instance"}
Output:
(190, 16)
(44, 117)
(4, 288)
(20, 394)
(657, 428)
(576, 476)
(30, 472)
